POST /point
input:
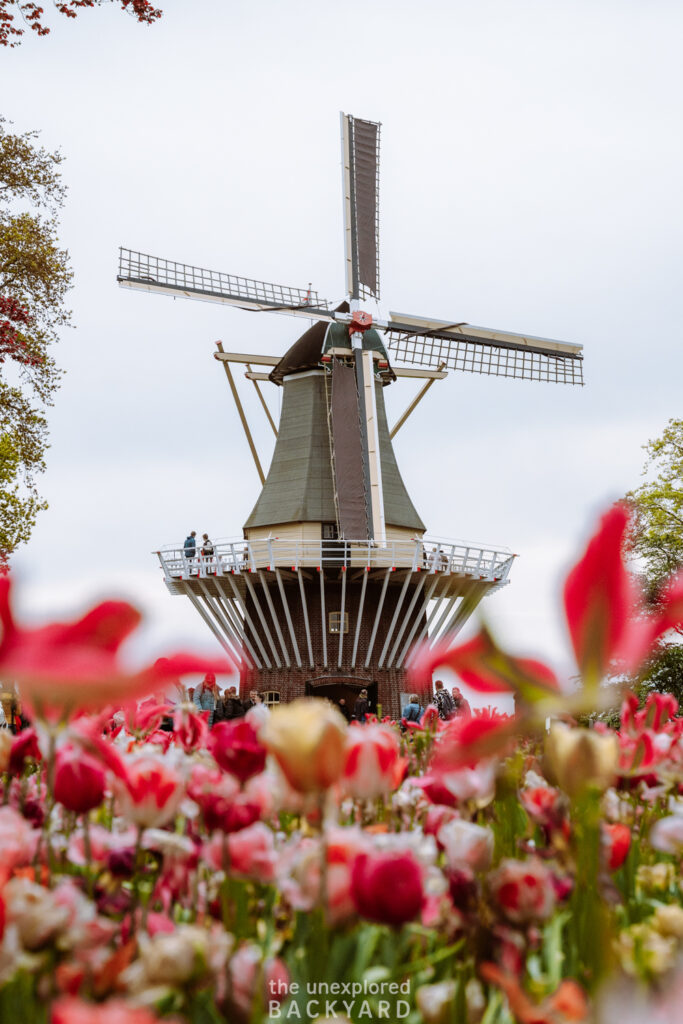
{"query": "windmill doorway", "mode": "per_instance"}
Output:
(333, 688)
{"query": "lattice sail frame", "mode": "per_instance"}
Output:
(140, 270)
(473, 355)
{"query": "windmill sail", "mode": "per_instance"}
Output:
(349, 454)
(461, 346)
(152, 274)
(360, 162)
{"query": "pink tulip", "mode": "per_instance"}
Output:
(69, 1010)
(373, 766)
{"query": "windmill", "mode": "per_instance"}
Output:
(333, 579)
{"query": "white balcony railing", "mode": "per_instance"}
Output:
(426, 555)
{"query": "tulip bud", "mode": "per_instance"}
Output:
(79, 780)
(579, 758)
(237, 749)
(387, 887)
(308, 739)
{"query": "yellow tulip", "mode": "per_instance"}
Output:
(308, 740)
(579, 758)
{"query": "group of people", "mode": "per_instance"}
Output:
(448, 705)
(223, 707)
(190, 546)
(361, 708)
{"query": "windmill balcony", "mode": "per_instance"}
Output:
(432, 556)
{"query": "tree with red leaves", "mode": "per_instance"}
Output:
(18, 15)
(34, 278)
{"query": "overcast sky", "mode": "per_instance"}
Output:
(530, 180)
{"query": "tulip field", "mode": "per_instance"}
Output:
(490, 869)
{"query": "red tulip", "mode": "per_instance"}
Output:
(151, 792)
(387, 887)
(79, 780)
(617, 839)
(24, 747)
(66, 666)
(485, 667)
(524, 890)
(190, 729)
(373, 763)
(601, 602)
(465, 741)
(236, 748)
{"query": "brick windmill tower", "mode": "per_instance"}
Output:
(333, 580)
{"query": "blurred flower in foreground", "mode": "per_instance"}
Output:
(579, 758)
(603, 609)
(69, 1010)
(308, 740)
(72, 665)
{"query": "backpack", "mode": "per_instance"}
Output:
(445, 705)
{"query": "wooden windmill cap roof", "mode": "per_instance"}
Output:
(305, 353)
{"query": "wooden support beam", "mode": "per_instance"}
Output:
(249, 621)
(322, 612)
(240, 410)
(404, 371)
(382, 595)
(415, 402)
(261, 398)
(343, 612)
(359, 618)
(259, 612)
(304, 606)
(244, 357)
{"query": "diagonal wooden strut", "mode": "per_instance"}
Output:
(243, 418)
(415, 402)
(253, 380)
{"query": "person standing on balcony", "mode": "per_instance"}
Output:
(207, 546)
(190, 546)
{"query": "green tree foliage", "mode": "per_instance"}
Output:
(657, 536)
(657, 545)
(664, 672)
(34, 278)
(18, 15)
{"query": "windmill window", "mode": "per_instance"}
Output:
(336, 622)
(271, 698)
(330, 531)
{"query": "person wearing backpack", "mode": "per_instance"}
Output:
(443, 700)
(413, 711)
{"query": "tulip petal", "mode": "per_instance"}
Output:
(601, 602)
(485, 667)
